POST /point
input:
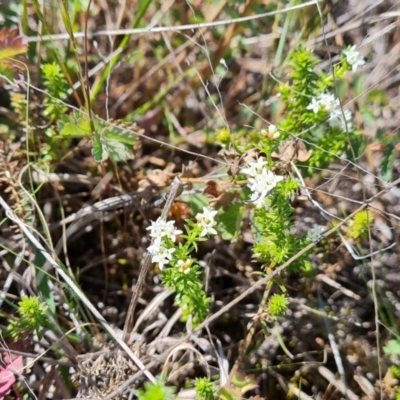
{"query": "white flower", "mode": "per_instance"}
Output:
(336, 119)
(326, 101)
(273, 131)
(315, 234)
(254, 168)
(261, 181)
(354, 58)
(292, 231)
(159, 253)
(261, 184)
(206, 221)
(329, 101)
(258, 199)
(184, 266)
(314, 105)
(162, 228)
(264, 182)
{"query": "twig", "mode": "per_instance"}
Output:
(113, 203)
(176, 190)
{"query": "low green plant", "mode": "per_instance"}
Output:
(56, 88)
(360, 224)
(314, 115)
(205, 389)
(32, 318)
(156, 391)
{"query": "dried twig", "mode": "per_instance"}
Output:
(176, 190)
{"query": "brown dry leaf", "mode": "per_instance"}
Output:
(234, 159)
(213, 188)
(221, 198)
(224, 201)
(292, 150)
(155, 180)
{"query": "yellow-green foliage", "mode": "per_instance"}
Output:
(56, 87)
(277, 305)
(32, 318)
(358, 227)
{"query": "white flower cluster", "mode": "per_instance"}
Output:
(354, 58)
(328, 102)
(159, 231)
(163, 231)
(261, 181)
(325, 101)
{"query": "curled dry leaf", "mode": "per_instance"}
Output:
(221, 198)
(155, 180)
(191, 170)
(213, 188)
(292, 150)
(233, 159)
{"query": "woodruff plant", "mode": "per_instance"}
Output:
(33, 318)
(184, 272)
(313, 113)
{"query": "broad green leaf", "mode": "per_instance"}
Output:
(117, 151)
(393, 348)
(75, 125)
(122, 136)
(358, 145)
(368, 116)
(99, 151)
(229, 221)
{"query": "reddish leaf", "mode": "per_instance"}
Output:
(14, 364)
(11, 44)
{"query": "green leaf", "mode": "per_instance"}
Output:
(10, 46)
(122, 136)
(117, 151)
(66, 18)
(99, 151)
(155, 392)
(358, 145)
(75, 125)
(389, 158)
(229, 221)
(393, 348)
